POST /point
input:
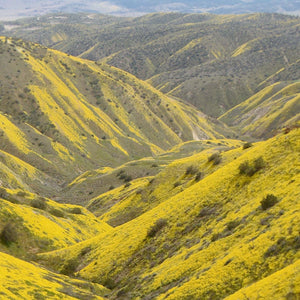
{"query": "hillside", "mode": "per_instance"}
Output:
(195, 57)
(235, 229)
(275, 106)
(23, 280)
(112, 189)
(61, 116)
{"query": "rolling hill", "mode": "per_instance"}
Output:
(212, 61)
(275, 106)
(61, 116)
(233, 230)
(112, 189)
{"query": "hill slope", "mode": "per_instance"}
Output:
(276, 106)
(61, 116)
(23, 280)
(235, 227)
(214, 62)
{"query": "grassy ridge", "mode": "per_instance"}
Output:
(214, 234)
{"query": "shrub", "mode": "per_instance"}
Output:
(216, 158)
(76, 210)
(39, 203)
(3, 193)
(69, 267)
(127, 184)
(232, 224)
(259, 164)
(158, 226)
(198, 176)
(111, 188)
(8, 234)
(247, 145)
(57, 213)
(127, 178)
(247, 169)
(176, 184)
(123, 176)
(268, 201)
(191, 170)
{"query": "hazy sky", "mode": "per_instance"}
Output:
(19, 8)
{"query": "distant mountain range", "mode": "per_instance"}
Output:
(21, 8)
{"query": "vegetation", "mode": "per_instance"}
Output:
(8, 234)
(268, 201)
(250, 169)
(218, 234)
(216, 158)
(158, 226)
(167, 204)
(191, 56)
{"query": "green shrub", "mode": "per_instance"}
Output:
(127, 178)
(39, 203)
(250, 169)
(8, 234)
(198, 176)
(176, 184)
(69, 267)
(259, 163)
(158, 226)
(216, 158)
(57, 213)
(247, 145)
(3, 193)
(268, 201)
(75, 210)
(127, 184)
(191, 170)
(232, 224)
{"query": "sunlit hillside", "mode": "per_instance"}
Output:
(113, 189)
(23, 280)
(61, 116)
(236, 227)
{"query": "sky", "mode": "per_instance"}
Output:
(12, 9)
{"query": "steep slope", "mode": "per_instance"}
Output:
(235, 227)
(30, 223)
(214, 62)
(62, 116)
(276, 106)
(23, 280)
